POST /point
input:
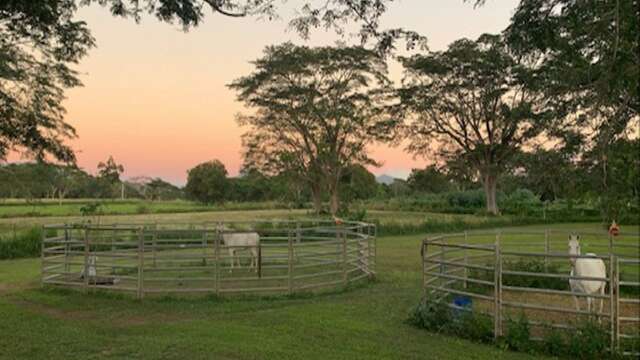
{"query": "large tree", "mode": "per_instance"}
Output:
(471, 101)
(314, 111)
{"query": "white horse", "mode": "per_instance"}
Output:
(241, 241)
(586, 267)
(90, 269)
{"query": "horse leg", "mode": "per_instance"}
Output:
(231, 258)
(602, 290)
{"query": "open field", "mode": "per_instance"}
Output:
(364, 322)
(11, 208)
(9, 225)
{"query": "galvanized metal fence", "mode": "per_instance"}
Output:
(507, 274)
(292, 256)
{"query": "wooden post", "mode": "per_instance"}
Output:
(140, 263)
(497, 311)
(113, 248)
(546, 250)
(86, 260)
(610, 238)
(290, 267)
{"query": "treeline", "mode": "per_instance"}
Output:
(37, 180)
(535, 183)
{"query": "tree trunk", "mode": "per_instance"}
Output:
(335, 197)
(490, 181)
(316, 195)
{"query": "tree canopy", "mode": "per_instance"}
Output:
(207, 182)
(39, 42)
(315, 110)
(587, 58)
(472, 102)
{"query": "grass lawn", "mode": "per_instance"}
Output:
(365, 322)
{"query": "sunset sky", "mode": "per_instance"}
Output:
(155, 98)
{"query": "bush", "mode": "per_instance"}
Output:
(518, 336)
(25, 244)
(588, 341)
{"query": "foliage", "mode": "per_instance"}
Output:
(315, 110)
(207, 182)
(518, 335)
(357, 183)
(476, 101)
(24, 244)
(530, 281)
(587, 59)
(110, 171)
(428, 180)
(335, 14)
(39, 42)
(588, 341)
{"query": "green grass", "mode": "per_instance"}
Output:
(364, 322)
(71, 207)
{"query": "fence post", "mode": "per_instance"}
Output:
(42, 265)
(546, 250)
(154, 240)
(617, 299)
(67, 266)
(613, 316)
(345, 277)
(217, 255)
(466, 259)
(290, 267)
(204, 246)
(86, 260)
(423, 253)
(497, 310)
(113, 247)
(140, 263)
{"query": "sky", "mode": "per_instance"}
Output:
(155, 97)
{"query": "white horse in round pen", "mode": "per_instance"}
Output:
(241, 241)
(586, 267)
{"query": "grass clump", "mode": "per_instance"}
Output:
(26, 243)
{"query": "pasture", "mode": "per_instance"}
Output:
(363, 322)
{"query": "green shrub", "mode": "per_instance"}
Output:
(518, 336)
(24, 244)
(553, 342)
(588, 341)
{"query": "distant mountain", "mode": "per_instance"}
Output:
(385, 179)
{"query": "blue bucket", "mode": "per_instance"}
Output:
(462, 305)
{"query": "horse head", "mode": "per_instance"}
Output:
(574, 246)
